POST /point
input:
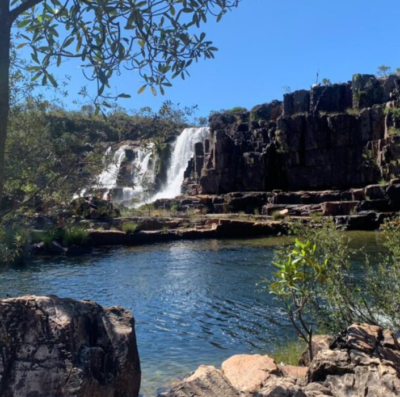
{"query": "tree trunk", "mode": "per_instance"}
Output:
(5, 35)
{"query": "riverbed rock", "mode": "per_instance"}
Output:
(206, 381)
(54, 346)
(249, 372)
(294, 371)
(364, 360)
(319, 342)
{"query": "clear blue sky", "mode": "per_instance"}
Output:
(265, 45)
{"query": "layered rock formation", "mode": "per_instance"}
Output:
(61, 347)
(363, 361)
(331, 137)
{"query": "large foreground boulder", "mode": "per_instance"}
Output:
(61, 347)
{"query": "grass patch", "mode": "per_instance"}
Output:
(174, 208)
(130, 227)
(353, 111)
(290, 353)
(75, 236)
(276, 215)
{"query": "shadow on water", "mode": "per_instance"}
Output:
(195, 302)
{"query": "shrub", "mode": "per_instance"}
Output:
(394, 131)
(298, 277)
(130, 227)
(75, 235)
(276, 215)
(174, 207)
(384, 71)
(320, 282)
(236, 109)
(290, 353)
(13, 245)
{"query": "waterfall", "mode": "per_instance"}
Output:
(108, 178)
(183, 152)
(142, 167)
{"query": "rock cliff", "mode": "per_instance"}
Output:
(330, 137)
(62, 347)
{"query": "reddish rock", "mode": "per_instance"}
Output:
(206, 381)
(293, 371)
(319, 342)
(249, 373)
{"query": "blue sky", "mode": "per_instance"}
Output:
(265, 45)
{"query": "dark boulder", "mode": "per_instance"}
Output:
(62, 347)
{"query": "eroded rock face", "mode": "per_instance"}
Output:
(62, 347)
(330, 137)
(362, 361)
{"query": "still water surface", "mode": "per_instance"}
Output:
(194, 302)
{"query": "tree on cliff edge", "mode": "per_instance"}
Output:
(153, 37)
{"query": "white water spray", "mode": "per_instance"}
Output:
(183, 152)
(108, 178)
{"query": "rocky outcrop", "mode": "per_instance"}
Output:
(92, 207)
(62, 347)
(330, 137)
(362, 361)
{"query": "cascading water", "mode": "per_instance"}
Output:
(143, 172)
(183, 152)
(108, 178)
(142, 167)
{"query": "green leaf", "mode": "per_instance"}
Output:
(52, 80)
(23, 23)
(142, 89)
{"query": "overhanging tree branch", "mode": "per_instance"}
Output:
(17, 11)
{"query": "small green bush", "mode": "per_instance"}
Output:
(130, 227)
(13, 245)
(394, 131)
(276, 215)
(174, 207)
(47, 236)
(290, 353)
(236, 109)
(75, 236)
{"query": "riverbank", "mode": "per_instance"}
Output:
(142, 230)
(361, 361)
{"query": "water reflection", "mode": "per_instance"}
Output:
(194, 302)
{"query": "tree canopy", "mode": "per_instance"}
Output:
(153, 37)
(159, 39)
